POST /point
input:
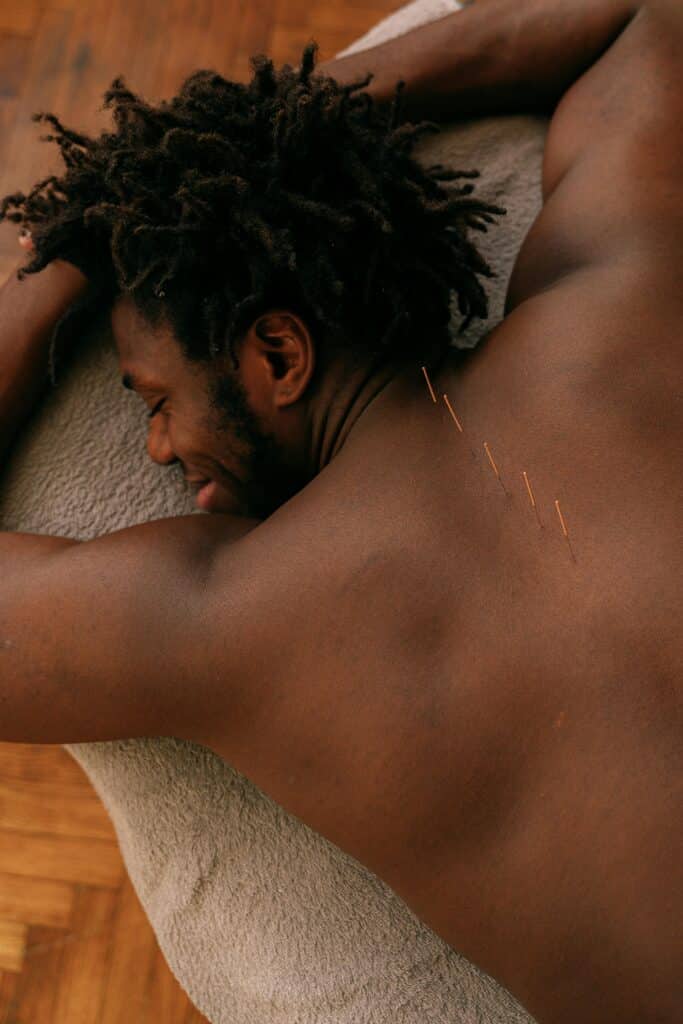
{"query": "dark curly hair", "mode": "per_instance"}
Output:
(291, 190)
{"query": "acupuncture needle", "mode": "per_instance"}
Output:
(564, 529)
(531, 498)
(429, 384)
(495, 467)
(456, 421)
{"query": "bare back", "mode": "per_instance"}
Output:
(483, 711)
(501, 712)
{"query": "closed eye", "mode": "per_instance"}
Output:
(156, 408)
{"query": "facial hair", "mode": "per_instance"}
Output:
(267, 479)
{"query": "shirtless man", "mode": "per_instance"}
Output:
(400, 654)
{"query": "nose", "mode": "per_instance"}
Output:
(158, 444)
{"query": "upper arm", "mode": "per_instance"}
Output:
(613, 160)
(628, 100)
(246, 640)
(102, 640)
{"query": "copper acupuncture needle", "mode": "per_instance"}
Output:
(456, 420)
(429, 384)
(531, 498)
(564, 528)
(495, 467)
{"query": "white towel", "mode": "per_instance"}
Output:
(261, 920)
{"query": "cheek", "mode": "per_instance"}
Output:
(182, 433)
(222, 433)
(202, 436)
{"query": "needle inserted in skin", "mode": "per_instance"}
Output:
(429, 384)
(457, 421)
(495, 467)
(455, 418)
(564, 528)
(531, 498)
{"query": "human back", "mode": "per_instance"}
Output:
(556, 663)
(387, 564)
(551, 752)
(498, 719)
(510, 729)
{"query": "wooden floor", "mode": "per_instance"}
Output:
(75, 946)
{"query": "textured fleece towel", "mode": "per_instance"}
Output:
(261, 920)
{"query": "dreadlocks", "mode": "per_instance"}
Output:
(290, 190)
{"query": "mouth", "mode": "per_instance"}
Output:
(208, 497)
(204, 489)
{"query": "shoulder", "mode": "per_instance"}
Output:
(192, 626)
(101, 635)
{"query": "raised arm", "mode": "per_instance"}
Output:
(493, 57)
(609, 73)
(29, 310)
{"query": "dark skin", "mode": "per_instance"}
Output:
(400, 654)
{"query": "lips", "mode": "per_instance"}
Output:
(206, 496)
(204, 487)
(222, 495)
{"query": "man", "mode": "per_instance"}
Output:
(477, 700)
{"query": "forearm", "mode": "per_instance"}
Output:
(29, 311)
(495, 56)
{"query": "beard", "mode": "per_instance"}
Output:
(268, 480)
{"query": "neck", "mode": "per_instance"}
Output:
(342, 401)
(372, 397)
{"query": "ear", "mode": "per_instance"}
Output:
(282, 354)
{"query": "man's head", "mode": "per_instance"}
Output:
(292, 195)
(241, 436)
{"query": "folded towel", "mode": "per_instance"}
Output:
(261, 920)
